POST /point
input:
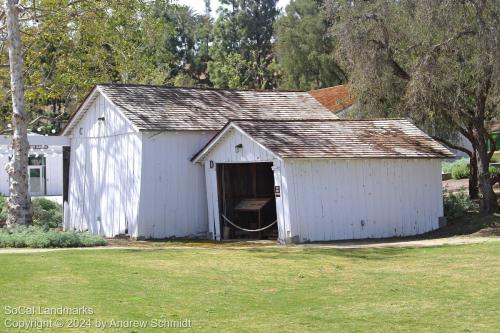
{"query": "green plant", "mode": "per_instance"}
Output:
(457, 204)
(41, 237)
(47, 213)
(446, 167)
(460, 169)
(3, 210)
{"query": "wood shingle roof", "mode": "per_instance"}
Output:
(385, 138)
(167, 108)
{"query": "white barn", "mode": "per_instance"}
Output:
(131, 168)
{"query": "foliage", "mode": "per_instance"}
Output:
(4, 211)
(72, 46)
(460, 169)
(457, 204)
(436, 62)
(38, 237)
(305, 48)
(47, 213)
(241, 50)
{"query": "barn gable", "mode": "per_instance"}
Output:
(385, 138)
(160, 108)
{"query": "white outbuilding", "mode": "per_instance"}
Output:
(332, 179)
(45, 164)
(156, 162)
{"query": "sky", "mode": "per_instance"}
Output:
(199, 5)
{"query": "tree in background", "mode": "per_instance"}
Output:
(242, 49)
(305, 47)
(434, 61)
(189, 44)
(73, 45)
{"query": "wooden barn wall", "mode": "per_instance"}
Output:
(173, 197)
(105, 171)
(225, 151)
(355, 199)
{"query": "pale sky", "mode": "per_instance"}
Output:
(199, 5)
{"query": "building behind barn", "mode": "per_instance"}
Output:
(156, 162)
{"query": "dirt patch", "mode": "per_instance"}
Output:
(454, 185)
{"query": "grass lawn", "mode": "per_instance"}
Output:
(442, 289)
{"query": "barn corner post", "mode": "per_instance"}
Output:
(20, 211)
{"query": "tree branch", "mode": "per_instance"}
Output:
(452, 145)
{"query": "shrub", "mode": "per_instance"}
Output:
(39, 237)
(3, 210)
(457, 204)
(460, 169)
(47, 213)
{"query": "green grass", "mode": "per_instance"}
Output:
(439, 289)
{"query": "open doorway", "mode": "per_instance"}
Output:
(246, 201)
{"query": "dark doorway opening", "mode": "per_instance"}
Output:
(246, 198)
(66, 158)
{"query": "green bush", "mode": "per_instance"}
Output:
(457, 204)
(40, 237)
(47, 213)
(3, 210)
(446, 167)
(460, 169)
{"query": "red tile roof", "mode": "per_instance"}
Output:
(335, 98)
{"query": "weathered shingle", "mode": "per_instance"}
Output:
(389, 138)
(166, 108)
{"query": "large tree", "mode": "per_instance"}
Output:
(242, 47)
(435, 61)
(19, 202)
(305, 48)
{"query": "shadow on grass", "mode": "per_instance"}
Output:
(298, 254)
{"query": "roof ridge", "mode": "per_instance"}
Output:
(194, 88)
(314, 120)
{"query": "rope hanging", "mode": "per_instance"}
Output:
(249, 230)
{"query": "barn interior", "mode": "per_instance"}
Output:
(246, 201)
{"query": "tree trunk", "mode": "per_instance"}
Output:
(488, 199)
(473, 173)
(19, 202)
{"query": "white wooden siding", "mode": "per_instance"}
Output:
(4, 177)
(53, 170)
(173, 197)
(332, 199)
(225, 152)
(105, 172)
